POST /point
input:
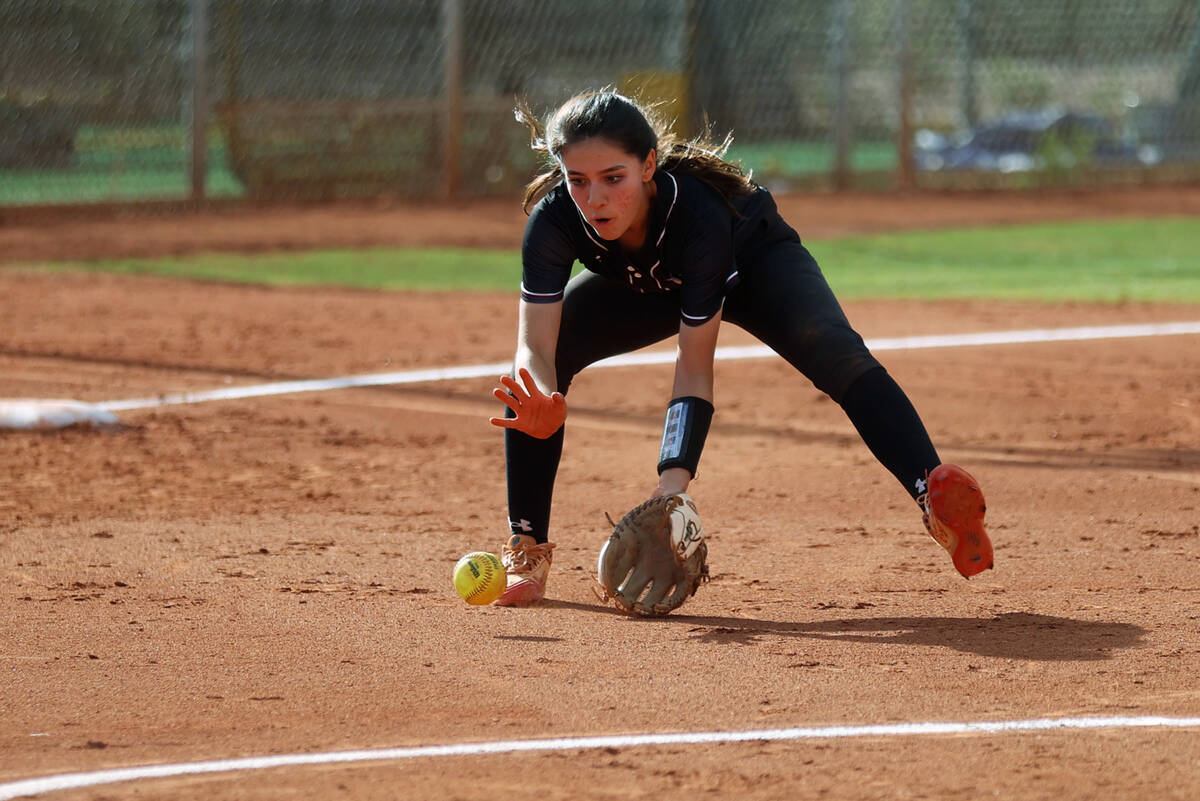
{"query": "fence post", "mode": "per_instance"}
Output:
(691, 29)
(452, 123)
(905, 134)
(970, 102)
(840, 34)
(199, 117)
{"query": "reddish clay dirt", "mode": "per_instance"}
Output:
(497, 223)
(272, 576)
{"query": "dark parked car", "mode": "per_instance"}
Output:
(1032, 140)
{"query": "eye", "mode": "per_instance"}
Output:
(615, 179)
(575, 181)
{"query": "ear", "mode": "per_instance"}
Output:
(650, 164)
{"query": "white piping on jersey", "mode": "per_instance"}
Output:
(525, 291)
(701, 317)
(674, 197)
(587, 229)
(663, 233)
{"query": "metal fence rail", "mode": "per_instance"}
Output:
(138, 100)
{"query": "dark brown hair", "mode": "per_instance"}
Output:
(636, 130)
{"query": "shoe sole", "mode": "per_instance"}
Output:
(957, 503)
(522, 593)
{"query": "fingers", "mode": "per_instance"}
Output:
(536, 413)
(531, 386)
(514, 388)
(531, 389)
(507, 400)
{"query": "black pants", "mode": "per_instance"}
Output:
(784, 301)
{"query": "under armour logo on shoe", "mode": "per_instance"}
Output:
(522, 525)
(922, 486)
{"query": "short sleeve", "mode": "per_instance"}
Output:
(547, 253)
(707, 261)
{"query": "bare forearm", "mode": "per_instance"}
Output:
(537, 341)
(539, 365)
(694, 360)
(693, 379)
(696, 381)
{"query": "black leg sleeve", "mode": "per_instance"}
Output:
(600, 318)
(891, 428)
(531, 465)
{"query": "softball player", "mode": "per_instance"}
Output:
(676, 240)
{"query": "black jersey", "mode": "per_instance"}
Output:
(695, 245)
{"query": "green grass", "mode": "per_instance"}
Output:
(122, 164)
(1113, 261)
(151, 162)
(381, 268)
(1127, 260)
(784, 159)
(49, 187)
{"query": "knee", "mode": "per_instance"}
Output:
(565, 371)
(836, 358)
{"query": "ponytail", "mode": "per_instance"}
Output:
(541, 185)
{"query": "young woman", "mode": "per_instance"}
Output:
(675, 240)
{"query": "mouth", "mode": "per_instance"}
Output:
(598, 222)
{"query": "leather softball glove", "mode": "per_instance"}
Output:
(655, 558)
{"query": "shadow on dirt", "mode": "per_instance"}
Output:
(1163, 459)
(1011, 635)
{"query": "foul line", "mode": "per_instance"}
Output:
(69, 781)
(653, 357)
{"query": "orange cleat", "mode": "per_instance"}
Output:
(954, 510)
(527, 562)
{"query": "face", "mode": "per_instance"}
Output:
(612, 188)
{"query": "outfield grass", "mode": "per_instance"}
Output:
(373, 268)
(151, 162)
(122, 164)
(1128, 260)
(792, 159)
(1134, 260)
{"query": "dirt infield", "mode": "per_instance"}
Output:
(498, 224)
(271, 576)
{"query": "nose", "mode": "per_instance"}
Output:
(596, 195)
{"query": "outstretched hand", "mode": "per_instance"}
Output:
(538, 414)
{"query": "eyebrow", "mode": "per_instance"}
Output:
(614, 168)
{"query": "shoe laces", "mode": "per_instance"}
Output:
(926, 511)
(924, 501)
(524, 556)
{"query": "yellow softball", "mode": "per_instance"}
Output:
(479, 577)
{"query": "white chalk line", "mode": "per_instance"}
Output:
(69, 781)
(1034, 335)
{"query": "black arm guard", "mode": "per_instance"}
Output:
(684, 432)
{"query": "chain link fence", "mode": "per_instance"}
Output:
(142, 100)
